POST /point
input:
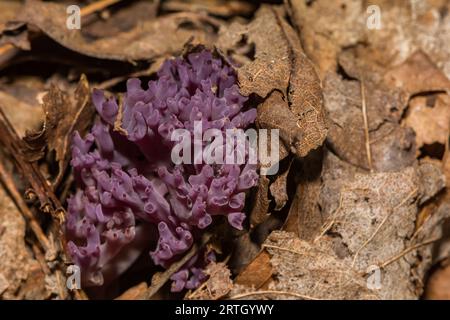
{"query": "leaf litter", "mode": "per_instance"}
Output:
(359, 207)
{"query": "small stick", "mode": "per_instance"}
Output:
(408, 250)
(284, 249)
(366, 125)
(8, 181)
(264, 292)
(330, 224)
(41, 259)
(97, 6)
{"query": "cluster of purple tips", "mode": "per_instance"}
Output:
(127, 183)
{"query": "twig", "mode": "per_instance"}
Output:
(49, 202)
(41, 259)
(330, 224)
(12, 142)
(264, 292)
(8, 181)
(366, 125)
(388, 214)
(283, 249)
(96, 6)
(408, 250)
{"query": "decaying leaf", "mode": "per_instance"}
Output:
(326, 27)
(307, 271)
(371, 219)
(125, 19)
(417, 75)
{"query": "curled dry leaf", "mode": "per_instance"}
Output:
(278, 63)
(65, 112)
(12, 32)
(149, 39)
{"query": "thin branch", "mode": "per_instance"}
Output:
(408, 250)
(330, 224)
(96, 6)
(283, 249)
(8, 181)
(366, 125)
(275, 292)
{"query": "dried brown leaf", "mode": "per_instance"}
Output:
(311, 272)
(430, 118)
(19, 272)
(279, 64)
(149, 39)
(23, 115)
(256, 273)
(418, 74)
(371, 221)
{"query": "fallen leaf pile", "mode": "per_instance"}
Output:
(359, 208)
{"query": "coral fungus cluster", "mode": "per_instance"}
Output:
(127, 181)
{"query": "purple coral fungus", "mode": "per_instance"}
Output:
(126, 179)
